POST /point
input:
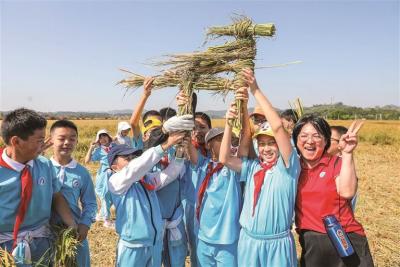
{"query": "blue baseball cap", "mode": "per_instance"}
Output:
(121, 150)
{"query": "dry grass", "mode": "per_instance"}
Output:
(377, 159)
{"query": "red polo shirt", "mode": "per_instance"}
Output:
(317, 197)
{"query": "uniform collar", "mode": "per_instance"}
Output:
(71, 165)
(15, 165)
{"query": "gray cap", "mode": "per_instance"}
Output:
(214, 132)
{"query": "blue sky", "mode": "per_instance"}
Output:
(65, 55)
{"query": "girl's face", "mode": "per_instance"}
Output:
(267, 148)
(310, 143)
(200, 130)
(104, 140)
(125, 132)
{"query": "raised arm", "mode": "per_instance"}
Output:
(122, 180)
(88, 156)
(346, 182)
(281, 136)
(137, 112)
(225, 157)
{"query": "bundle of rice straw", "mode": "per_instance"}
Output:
(243, 27)
(297, 106)
(6, 259)
(65, 246)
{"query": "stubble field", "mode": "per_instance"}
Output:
(378, 207)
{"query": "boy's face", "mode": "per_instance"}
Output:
(288, 125)
(267, 148)
(258, 120)
(32, 147)
(200, 130)
(64, 141)
(214, 145)
(120, 162)
(333, 149)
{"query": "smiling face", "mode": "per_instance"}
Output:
(31, 147)
(267, 148)
(335, 137)
(200, 130)
(104, 139)
(64, 141)
(310, 143)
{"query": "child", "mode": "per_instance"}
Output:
(271, 184)
(289, 119)
(122, 137)
(25, 213)
(139, 222)
(336, 134)
(98, 152)
(77, 186)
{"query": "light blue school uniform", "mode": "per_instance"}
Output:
(101, 187)
(137, 142)
(219, 227)
(45, 184)
(265, 238)
(174, 250)
(189, 185)
(77, 188)
(138, 224)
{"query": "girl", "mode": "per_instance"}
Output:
(271, 184)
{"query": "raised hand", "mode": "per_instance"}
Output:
(181, 98)
(348, 142)
(250, 79)
(232, 112)
(148, 86)
(242, 94)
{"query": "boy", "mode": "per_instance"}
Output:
(28, 189)
(336, 133)
(289, 118)
(77, 186)
(217, 205)
(132, 188)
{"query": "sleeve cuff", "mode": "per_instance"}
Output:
(159, 150)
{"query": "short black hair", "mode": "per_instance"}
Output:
(203, 116)
(340, 129)
(63, 124)
(21, 122)
(151, 113)
(319, 124)
(167, 113)
(289, 115)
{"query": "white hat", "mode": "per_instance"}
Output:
(122, 126)
(102, 131)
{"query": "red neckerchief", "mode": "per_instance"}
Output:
(202, 148)
(26, 195)
(106, 148)
(259, 180)
(204, 184)
(148, 186)
(164, 161)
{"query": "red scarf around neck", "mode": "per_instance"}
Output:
(26, 195)
(259, 181)
(204, 185)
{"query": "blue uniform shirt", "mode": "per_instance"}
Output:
(220, 209)
(77, 188)
(45, 184)
(275, 206)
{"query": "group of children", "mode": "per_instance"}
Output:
(179, 186)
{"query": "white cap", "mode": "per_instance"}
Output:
(102, 131)
(122, 126)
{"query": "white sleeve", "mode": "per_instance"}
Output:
(122, 180)
(168, 175)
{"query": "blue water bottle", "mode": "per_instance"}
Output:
(338, 236)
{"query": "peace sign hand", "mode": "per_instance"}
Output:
(348, 142)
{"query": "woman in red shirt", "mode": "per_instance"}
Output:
(326, 186)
